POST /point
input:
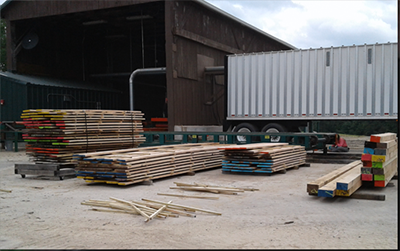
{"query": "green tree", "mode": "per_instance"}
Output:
(3, 49)
(357, 127)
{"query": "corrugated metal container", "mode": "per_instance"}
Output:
(19, 95)
(348, 82)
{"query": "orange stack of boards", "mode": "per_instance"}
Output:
(158, 125)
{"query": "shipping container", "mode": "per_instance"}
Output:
(284, 90)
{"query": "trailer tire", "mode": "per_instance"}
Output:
(274, 127)
(245, 127)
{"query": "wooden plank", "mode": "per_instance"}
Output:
(313, 186)
(386, 144)
(366, 196)
(366, 157)
(356, 185)
(382, 137)
(205, 185)
(184, 207)
(390, 170)
(378, 158)
(349, 179)
(251, 146)
(367, 177)
(189, 196)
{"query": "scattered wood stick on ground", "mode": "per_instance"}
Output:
(158, 211)
(184, 207)
(204, 185)
(121, 207)
(189, 196)
(150, 209)
(6, 191)
(210, 189)
(132, 205)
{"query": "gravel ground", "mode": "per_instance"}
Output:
(46, 213)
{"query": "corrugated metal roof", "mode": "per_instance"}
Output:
(27, 79)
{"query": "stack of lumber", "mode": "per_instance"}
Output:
(149, 209)
(55, 135)
(129, 166)
(380, 159)
(341, 182)
(262, 157)
(157, 124)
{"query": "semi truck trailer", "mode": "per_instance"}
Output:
(284, 91)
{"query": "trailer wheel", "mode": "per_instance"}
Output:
(245, 127)
(272, 128)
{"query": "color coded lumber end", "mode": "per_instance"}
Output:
(367, 177)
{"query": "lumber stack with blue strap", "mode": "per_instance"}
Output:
(135, 165)
(262, 157)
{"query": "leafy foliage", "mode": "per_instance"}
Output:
(365, 128)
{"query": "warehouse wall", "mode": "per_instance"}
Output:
(198, 37)
(19, 96)
(13, 93)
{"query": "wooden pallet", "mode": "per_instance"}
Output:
(45, 169)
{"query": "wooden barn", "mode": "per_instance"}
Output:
(151, 51)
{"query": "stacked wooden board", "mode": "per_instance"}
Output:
(380, 159)
(341, 182)
(157, 124)
(129, 166)
(53, 136)
(262, 157)
(378, 165)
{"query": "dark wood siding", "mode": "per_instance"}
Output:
(199, 36)
(183, 36)
(17, 10)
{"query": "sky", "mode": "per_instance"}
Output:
(318, 23)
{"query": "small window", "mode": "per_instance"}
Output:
(369, 56)
(328, 58)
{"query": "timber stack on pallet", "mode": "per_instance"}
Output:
(380, 159)
(53, 136)
(262, 157)
(135, 165)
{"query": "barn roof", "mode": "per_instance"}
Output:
(212, 8)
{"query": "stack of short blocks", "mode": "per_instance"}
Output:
(379, 159)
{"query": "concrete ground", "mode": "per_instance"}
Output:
(46, 213)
